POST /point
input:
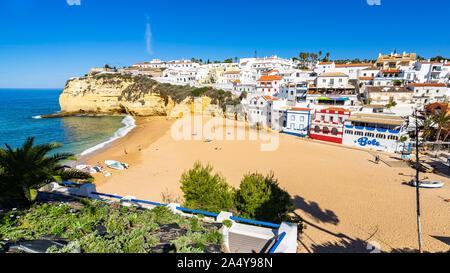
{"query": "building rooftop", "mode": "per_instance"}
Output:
(333, 74)
(354, 65)
(374, 89)
(377, 119)
(428, 84)
(269, 78)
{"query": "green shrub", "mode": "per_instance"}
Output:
(205, 191)
(227, 223)
(261, 198)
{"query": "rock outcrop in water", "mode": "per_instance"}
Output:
(137, 96)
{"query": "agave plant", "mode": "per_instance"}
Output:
(26, 169)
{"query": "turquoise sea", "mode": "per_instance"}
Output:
(20, 111)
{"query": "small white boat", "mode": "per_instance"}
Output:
(116, 165)
(87, 168)
(427, 184)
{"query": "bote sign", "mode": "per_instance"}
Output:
(364, 141)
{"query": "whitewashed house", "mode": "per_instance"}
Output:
(258, 109)
(269, 85)
(388, 77)
(374, 131)
(332, 88)
(297, 121)
(353, 71)
(425, 93)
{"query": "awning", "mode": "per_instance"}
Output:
(323, 98)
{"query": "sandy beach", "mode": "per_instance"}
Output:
(345, 198)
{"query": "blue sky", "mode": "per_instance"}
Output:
(44, 42)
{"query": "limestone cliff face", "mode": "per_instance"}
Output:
(122, 95)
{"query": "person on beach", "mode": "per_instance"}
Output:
(377, 159)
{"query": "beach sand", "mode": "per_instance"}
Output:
(345, 198)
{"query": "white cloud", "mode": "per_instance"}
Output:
(148, 39)
(73, 2)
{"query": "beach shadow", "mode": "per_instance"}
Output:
(441, 168)
(357, 245)
(313, 209)
(445, 240)
(343, 243)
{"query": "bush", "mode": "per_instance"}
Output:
(261, 198)
(204, 191)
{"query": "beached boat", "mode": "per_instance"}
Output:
(427, 184)
(87, 168)
(116, 165)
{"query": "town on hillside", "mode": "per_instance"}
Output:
(367, 104)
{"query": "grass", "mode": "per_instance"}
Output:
(93, 226)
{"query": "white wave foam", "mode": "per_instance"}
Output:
(129, 122)
(36, 117)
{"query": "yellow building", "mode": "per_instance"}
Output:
(395, 60)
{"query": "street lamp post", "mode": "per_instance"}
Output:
(417, 185)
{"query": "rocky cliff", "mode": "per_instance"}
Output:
(138, 96)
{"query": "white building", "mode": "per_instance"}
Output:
(258, 110)
(426, 93)
(155, 63)
(297, 121)
(180, 75)
(387, 94)
(429, 72)
(353, 71)
(269, 85)
(374, 131)
(332, 88)
(388, 77)
(294, 92)
(324, 67)
(231, 76)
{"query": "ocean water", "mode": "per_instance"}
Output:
(20, 111)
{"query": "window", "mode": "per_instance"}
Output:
(359, 133)
(334, 131)
(302, 118)
(380, 136)
(317, 129)
(393, 137)
(331, 119)
(301, 127)
(369, 134)
(322, 118)
(341, 119)
(340, 80)
(349, 132)
(292, 117)
(325, 130)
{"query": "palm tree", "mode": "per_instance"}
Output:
(328, 56)
(427, 125)
(320, 54)
(302, 56)
(442, 120)
(24, 170)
